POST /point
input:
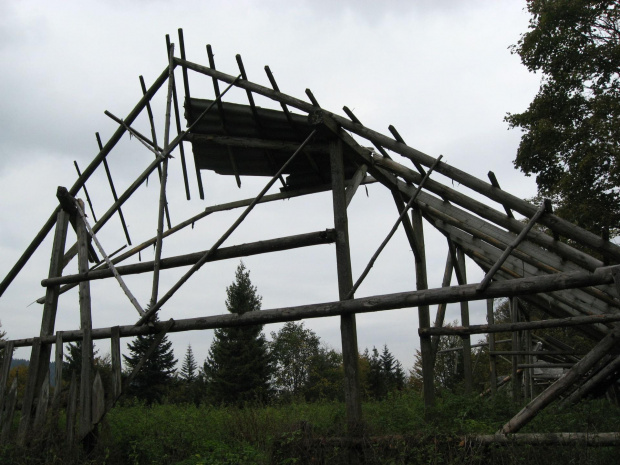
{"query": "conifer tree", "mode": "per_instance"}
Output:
(188, 370)
(150, 382)
(238, 368)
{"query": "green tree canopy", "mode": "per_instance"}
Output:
(188, 370)
(302, 366)
(238, 368)
(151, 381)
(571, 130)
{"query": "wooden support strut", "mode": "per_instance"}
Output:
(177, 120)
(545, 206)
(126, 290)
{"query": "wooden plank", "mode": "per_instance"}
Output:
(348, 330)
(7, 358)
(516, 379)
(98, 406)
(115, 351)
(357, 179)
(492, 356)
(465, 340)
(481, 252)
(59, 358)
(8, 413)
(30, 392)
(42, 404)
(86, 326)
(561, 385)
(72, 402)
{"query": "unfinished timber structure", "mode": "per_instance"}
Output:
(306, 149)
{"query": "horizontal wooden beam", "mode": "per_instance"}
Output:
(377, 303)
(549, 439)
(250, 142)
(243, 250)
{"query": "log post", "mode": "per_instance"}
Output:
(516, 378)
(115, 351)
(492, 356)
(7, 413)
(441, 308)
(29, 394)
(466, 339)
(50, 305)
(85, 402)
(424, 319)
(59, 359)
(348, 330)
(7, 358)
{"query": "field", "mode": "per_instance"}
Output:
(311, 433)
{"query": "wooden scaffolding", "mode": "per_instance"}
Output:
(308, 149)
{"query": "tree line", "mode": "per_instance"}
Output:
(243, 367)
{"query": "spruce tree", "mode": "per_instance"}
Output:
(238, 368)
(188, 370)
(150, 382)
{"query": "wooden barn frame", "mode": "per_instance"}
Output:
(315, 150)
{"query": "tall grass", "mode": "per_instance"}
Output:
(395, 432)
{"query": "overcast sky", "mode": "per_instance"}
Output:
(439, 71)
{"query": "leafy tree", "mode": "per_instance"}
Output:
(571, 135)
(325, 377)
(303, 367)
(238, 368)
(151, 381)
(293, 349)
(188, 370)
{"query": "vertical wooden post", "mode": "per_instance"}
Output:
(516, 378)
(492, 357)
(59, 359)
(348, 330)
(424, 319)
(441, 308)
(7, 414)
(466, 340)
(4, 374)
(29, 394)
(85, 402)
(527, 343)
(38, 370)
(71, 410)
(115, 350)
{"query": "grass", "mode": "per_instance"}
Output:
(395, 433)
